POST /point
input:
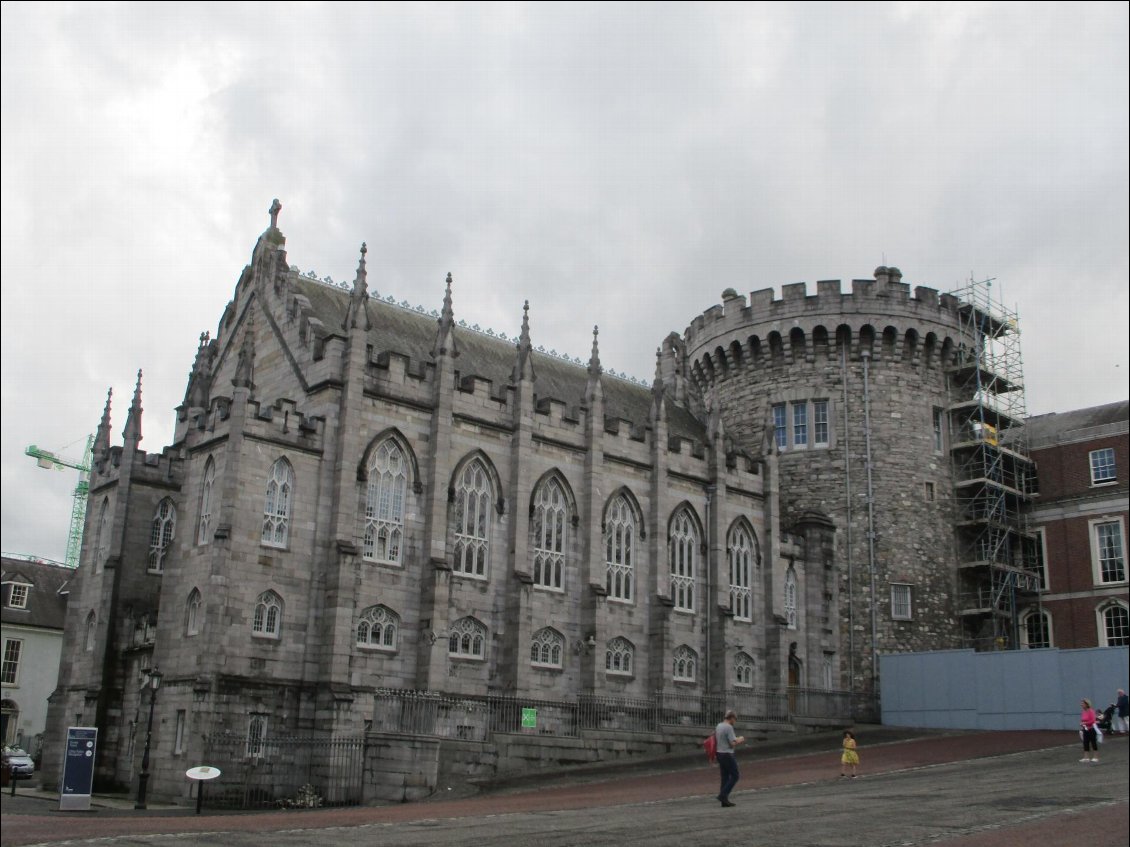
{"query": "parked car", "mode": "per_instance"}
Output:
(20, 763)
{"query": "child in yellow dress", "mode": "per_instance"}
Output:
(850, 758)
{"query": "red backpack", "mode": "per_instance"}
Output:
(710, 745)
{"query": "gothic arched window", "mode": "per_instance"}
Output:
(384, 504)
(742, 555)
(743, 670)
(91, 631)
(267, 622)
(161, 535)
(204, 534)
(618, 656)
(193, 613)
(620, 533)
(547, 648)
(790, 598)
(102, 538)
(473, 497)
(685, 662)
(683, 552)
(548, 531)
(467, 639)
(378, 628)
(276, 509)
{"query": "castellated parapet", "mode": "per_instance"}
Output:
(848, 390)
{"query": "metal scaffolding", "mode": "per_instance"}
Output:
(994, 479)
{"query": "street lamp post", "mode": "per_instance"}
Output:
(143, 778)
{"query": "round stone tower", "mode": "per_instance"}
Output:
(850, 391)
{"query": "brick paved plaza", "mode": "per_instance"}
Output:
(958, 790)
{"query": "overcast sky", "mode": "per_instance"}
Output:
(616, 165)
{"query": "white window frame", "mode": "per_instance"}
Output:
(385, 497)
(619, 657)
(206, 490)
(1097, 551)
(682, 550)
(472, 522)
(467, 640)
(1102, 472)
(791, 598)
(799, 409)
(821, 423)
(18, 594)
(10, 664)
(620, 536)
(780, 426)
(161, 535)
(267, 620)
(277, 505)
(684, 664)
(1032, 614)
(382, 622)
(549, 530)
(1101, 613)
(902, 601)
(547, 649)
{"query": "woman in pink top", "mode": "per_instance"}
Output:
(1090, 736)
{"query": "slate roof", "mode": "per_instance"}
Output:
(404, 331)
(47, 598)
(1056, 427)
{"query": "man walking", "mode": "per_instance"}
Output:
(727, 740)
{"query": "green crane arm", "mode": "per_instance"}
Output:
(48, 460)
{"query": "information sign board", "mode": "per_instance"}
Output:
(78, 769)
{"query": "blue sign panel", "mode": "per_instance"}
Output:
(78, 768)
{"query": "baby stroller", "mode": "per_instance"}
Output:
(1105, 718)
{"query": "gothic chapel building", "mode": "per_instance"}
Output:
(363, 496)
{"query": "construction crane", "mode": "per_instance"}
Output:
(50, 461)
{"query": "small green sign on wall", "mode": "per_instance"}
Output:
(529, 719)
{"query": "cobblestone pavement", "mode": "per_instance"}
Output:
(996, 789)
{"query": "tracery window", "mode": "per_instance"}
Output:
(742, 556)
(276, 510)
(473, 498)
(161, 535)
(685, 663)
(467, 639)
(204, 534)
(267, 622)
(547, 648)
(618, 656)
(192, 613)
(378, 628)
(683, 552)
(790, 598)
(384, 504)
(620, 544)
(743, 670)
(548, 528)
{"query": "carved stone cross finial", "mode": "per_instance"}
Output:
(276, 207)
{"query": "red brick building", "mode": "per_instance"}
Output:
(1080, 515)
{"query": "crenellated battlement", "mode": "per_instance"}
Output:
(879, 318)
